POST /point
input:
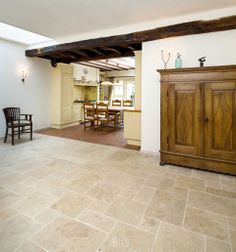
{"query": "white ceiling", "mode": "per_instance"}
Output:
(65, 18)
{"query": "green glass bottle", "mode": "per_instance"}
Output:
(178, 61)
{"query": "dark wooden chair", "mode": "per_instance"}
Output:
(18, 123)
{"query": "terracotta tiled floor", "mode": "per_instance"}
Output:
(58, 194)
(107, 136)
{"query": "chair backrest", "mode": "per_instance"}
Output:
(102, 109)
(11, 114)
(127, 103)
(89, 110)
(116, 103)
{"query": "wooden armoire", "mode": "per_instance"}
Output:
(198, 118)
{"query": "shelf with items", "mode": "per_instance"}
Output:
(88, 83)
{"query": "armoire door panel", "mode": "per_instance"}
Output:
(184, 118)
(220, 120)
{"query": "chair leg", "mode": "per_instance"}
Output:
(18, 132)
(12, 136)
(5, 138)
(31, 132)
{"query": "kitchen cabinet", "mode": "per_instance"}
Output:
(78, 112)
(198, 118)
(62, 88)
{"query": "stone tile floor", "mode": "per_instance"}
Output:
(64, 195)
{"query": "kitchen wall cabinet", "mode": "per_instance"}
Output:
(198, 118)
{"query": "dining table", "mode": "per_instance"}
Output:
(116, 110)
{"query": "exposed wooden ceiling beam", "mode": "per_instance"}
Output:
(96, 50)
(124, 45)
(113, 66)
(107, 56)
(112, 50)
(87, 63)
(187, 28)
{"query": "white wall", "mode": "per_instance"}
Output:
(32, 96)
(220, 49)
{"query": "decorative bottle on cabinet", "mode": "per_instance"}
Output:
(178, 61)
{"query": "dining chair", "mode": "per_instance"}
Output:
(89, 115)
(17, 123)
(104, 118)
(127, 103)
(116, 103)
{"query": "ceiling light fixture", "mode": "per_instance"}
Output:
(106, 83)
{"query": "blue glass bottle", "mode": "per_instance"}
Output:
(178, 61)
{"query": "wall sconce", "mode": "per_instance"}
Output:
(165, 60)
(23, 75)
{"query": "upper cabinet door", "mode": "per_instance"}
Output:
(185, 118)
(220, 120)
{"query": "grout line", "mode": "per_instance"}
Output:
(185, 210)
(229, 234)
(155, 237)
(205, 243)
(108, 235)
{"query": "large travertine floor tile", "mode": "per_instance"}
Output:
(126, 210)
(205, 175)
(118, 156)
(228, 183)
(12, 179)
(127, 194)
(30, 247)
(178, 170)
(104, 192)
(63, 164)
(145, 194)
(124, 180)
(213, 245)
(33, 204)
(41, 172)
(83, 183)
(98, 206)
(221, 192)
(22, 189)
(47, 215)
(207, 223)
(212, 203)
(176, 239)
(8, 198)
(15, 231)
(232, 231)
(72, 204)
(70, 236)
(149, 224)
(161, 183)
(6, 213)
(190, 183)
(167, 206)
(97, 220)
(50, 184)
(128, 239)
